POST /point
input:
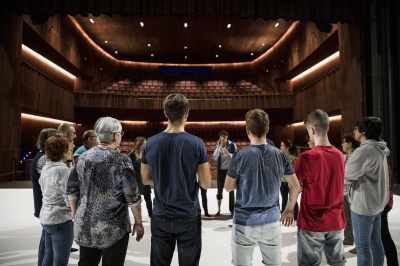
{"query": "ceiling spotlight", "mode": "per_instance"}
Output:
(282, 61)
(251, 54)
(219, 46)
(185, 47)
(152, 55)
(185, 25)
(100, 69)
(91, 20)
(266, 71)
(216, 55)
(276, 24)
(116, 52)
(148, 44)
(106, 41)
(185, 56)
(141, 24)
(263, 44)
(85, 58)
(228, 26)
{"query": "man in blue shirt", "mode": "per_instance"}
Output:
(256, 172)
(89, 141)
(170, 161)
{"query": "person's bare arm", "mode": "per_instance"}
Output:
(146, 175)
(74, 205)
(138, 225)
(288, 213)
(230, 183)
(203, 172)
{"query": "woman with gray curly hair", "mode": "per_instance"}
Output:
(101, 187)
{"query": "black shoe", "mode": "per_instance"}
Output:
(207, 214)
(74, 249)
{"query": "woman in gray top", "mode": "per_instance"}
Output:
(55, 214)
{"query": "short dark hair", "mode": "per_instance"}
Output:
(349, 138)
(44, 135)
(371, 126)
(319, 120)
(257, 121)
(55, 147)
(175, 106)
(223, 133)
(292, 148)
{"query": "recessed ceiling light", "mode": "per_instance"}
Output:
(266, 71)
(116, 52)
(185, 47)
(100, 69)
(152, 55)
(85, 58)
(216, 55)
(185, 25)
(263, 44)
(91, 20)
(228, 26)
(276, 24)
(141, 24)
(185, 56)
(282, 61)
(274, 66)
(149, 44)
(106, 41)
(220, 46)
(251, 54)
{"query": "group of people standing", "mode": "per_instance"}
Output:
(90, 202)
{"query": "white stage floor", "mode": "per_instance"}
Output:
(20, 232)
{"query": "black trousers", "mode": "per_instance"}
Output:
(220, 189)
(112, 256)
(387, 241)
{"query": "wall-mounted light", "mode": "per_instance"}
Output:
(44, 119)
(28, 50)
(331, 118)
(91, 20)
(320, 64)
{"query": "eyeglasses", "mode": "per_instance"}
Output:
(121, 132)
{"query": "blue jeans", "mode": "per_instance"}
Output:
(310, 246)
(268, 237)
(168, 231)
(58, 242)
(367, 238)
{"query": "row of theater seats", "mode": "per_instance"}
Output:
(159, 88)
(127, 147)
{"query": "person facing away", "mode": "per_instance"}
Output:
(368, 176)
(136, 157)
(349, 144)
(101, 188)
(255, 173)
(321, 217)
(89, 141)
(292, 152)
(35, 170)
(55, 214)
(170, 161)
(224, 149)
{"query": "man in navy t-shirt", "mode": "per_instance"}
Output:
(256, 172)
(171, 161)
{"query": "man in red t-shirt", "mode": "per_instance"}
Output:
(321, 218)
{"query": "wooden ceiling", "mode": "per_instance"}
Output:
(163, 39)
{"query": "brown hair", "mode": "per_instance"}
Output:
(138, 144)
(257, 121)
(55, 147)
(44, 135)
(175, 106)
